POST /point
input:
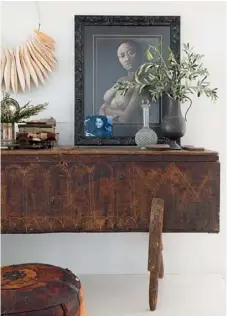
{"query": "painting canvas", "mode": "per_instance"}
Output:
(109, 50)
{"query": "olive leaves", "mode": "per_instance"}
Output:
(176, 79)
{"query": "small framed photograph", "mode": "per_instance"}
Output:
(109, 49)
(98, 126)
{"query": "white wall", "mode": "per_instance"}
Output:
(203, 25)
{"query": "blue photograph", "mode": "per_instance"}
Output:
(98, 126)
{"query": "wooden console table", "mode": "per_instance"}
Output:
(109, 190)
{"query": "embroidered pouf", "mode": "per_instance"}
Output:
(40, 290)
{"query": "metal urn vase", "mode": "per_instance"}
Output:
(7, 134)
(173, 125)
(145, 136)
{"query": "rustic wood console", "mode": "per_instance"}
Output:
(87, 189)
(110, 190)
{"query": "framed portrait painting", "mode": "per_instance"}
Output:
(109, 49)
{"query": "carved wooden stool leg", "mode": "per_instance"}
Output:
(155, 261)
(153, 291)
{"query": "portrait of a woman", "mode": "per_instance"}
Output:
(124, 108)
(108, 51)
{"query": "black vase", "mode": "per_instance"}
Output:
(173, 124)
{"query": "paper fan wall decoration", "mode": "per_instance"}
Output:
(27, 64)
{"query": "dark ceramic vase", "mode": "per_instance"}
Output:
(173, 124)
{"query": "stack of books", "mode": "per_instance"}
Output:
(37, 134)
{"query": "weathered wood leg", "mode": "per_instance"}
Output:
(153, 291)
(155, 260)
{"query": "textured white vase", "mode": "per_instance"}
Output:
(145, 136)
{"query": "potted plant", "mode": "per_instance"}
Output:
(12, 113)
(176, 81)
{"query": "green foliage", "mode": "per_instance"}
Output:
(176, 79)
(11, 112)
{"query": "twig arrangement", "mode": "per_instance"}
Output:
(11, 112)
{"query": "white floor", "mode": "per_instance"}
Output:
(127, 295)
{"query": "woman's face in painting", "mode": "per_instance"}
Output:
(99, 122)
(127, 54)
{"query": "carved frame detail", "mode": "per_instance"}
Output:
(173, 22)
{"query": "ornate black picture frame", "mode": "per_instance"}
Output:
(95, 39)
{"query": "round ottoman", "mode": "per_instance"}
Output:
(40, 290)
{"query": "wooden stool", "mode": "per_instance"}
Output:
(40, 290)
(155, 258)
